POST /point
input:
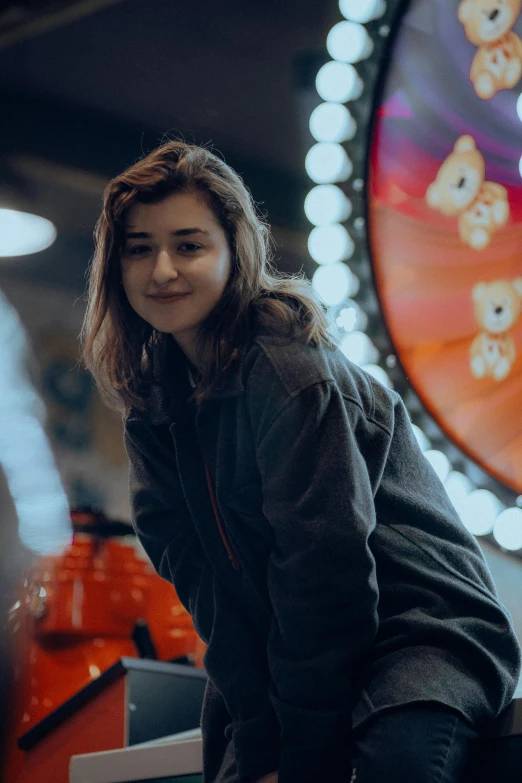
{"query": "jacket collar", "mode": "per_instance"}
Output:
(171, 369)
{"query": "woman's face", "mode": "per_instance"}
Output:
(175, 265)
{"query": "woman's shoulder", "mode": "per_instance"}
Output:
(278, 367)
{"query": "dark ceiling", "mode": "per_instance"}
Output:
(87, 87)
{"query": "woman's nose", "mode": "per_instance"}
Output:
(164, 268)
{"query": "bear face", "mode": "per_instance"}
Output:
(497, 305)
(487, 21)
(458, 180)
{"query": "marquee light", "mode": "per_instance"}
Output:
(330, 244)
(334, 282)
(328, 162)
(358, 347)
(338, 82)
(332, 122)
(349, 42)
(507, 529)
(362, 10)
(327, 204)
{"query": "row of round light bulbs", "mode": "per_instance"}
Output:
(330, 245)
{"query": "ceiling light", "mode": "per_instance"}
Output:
(22, 233)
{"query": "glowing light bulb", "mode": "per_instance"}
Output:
(22, 233)
(349, 42)
(362, 10)
(327, 204)
(338, 82)
(379, 374)
(458, 486)
(439, 462)
(350, 317)
(333, 283)
(478, 511)
(421, 438)
(330, 244)
(328, 163)
(358, 347)
(507, 529)
(332, 122)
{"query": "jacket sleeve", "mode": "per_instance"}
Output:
(317, 496)
(162, 520)
(235, 660)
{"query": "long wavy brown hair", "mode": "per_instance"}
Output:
(118, 345)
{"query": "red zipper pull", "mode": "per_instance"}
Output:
(231, 554)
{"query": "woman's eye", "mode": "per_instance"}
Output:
(136, 250)
(189, 247)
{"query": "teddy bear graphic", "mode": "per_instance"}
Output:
(460, 190)
(488, 24)
(497, 308)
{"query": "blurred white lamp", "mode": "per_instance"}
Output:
(338, 82)
(478, 511)
(362, 10)
(332, 122)
(326, 204)
(330, 244)
(379, 374)
(22, 233)
(358, 347)
(328, 163)
(439, 462)
(507, 529)
(349, 42)
(333, 283)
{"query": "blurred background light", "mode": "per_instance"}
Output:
(333, 283)
(349, 42)
(332, 122)
(478, 511)
(22, 233)
(350, 317)
(338, 82)
(458, 486)
(359, 349)
(330, 244)
(439, 462)
(362, 10)
(421, 438)
(327, 204)
(44, 522)
(379, 374)
(326, 162)
(507, 529)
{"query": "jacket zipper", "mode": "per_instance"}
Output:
(231, 554)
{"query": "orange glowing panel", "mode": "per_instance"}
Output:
(445, 222)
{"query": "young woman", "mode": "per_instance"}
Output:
(353, 629)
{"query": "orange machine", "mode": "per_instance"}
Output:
(76, 614)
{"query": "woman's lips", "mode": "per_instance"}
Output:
(167, 299)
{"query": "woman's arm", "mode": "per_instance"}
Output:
(318, 499)
(162, 521)
(235, 660)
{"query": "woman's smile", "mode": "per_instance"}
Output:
(163, 299)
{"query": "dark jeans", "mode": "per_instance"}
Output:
(416, 743)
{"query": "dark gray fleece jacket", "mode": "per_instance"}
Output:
(358, 588)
